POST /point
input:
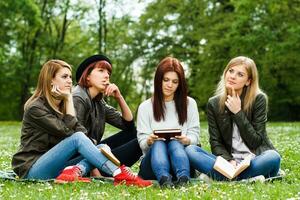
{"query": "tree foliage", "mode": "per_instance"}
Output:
(203, 34)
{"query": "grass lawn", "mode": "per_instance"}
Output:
(285, 137)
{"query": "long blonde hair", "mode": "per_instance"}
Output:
(252, 90)
(43, 88)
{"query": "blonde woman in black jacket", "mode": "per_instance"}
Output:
(237, 117)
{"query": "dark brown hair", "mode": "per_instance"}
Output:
(170, 64)
(83, 82)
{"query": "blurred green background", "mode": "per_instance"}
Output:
(203, 34)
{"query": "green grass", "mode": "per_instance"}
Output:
(285, 136)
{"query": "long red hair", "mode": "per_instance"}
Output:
(170, 64)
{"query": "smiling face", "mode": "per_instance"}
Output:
(236, 77)
(63, 79)
(99, 78)
(170, 84)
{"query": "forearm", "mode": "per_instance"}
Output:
(70, 106)
(125, 110)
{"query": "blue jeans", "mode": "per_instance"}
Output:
(50, 164)
(266, 164)
(164, 159)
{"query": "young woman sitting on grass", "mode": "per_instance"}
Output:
(51, 135)
(237, 118)
(169, 108)
(93, 77)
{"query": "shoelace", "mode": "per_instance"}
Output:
(77, 172)
(129, 172)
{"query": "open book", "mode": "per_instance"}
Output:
(228, 170)
(110, 156)
(167, 133)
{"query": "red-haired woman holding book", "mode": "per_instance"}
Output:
(169, 108)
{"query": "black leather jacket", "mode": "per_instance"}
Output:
(94, 113)
(252, 127)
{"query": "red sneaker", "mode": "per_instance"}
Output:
(71, 174)
(128, 178)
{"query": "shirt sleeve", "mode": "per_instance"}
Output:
(81, 109)
(114, 117)
(193, 123)
(143, 126)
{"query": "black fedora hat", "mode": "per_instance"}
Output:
(84, 64)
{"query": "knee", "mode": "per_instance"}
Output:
(270, 159)
(175, 144)
(274, 156)
(79, 137)
(78, 134)
(158, 144)
(190, 149)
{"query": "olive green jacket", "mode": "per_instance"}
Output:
(252, 127)
(42, 128)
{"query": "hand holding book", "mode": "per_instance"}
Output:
(183, 139)
(152, 138)
(167, 134)
(229, 170)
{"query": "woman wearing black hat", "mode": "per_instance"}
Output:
(93, 112)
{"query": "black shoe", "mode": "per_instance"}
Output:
(166, 182)
(182, 181)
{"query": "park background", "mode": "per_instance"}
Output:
(136, 35)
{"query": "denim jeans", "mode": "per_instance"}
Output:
(50, 164)
(165, 159)
(266, 164)
(124, 146)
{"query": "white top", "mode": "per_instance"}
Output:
(146, 123)
(239, 149)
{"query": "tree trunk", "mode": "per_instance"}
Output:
(29, 52)
(102, 26)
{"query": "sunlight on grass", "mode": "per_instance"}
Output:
(285, 137)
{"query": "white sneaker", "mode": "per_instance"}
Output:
(259, 178)
(205, 178)
(281, 173)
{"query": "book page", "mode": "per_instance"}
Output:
(228, 170)
(243, 165)
(224, 167)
